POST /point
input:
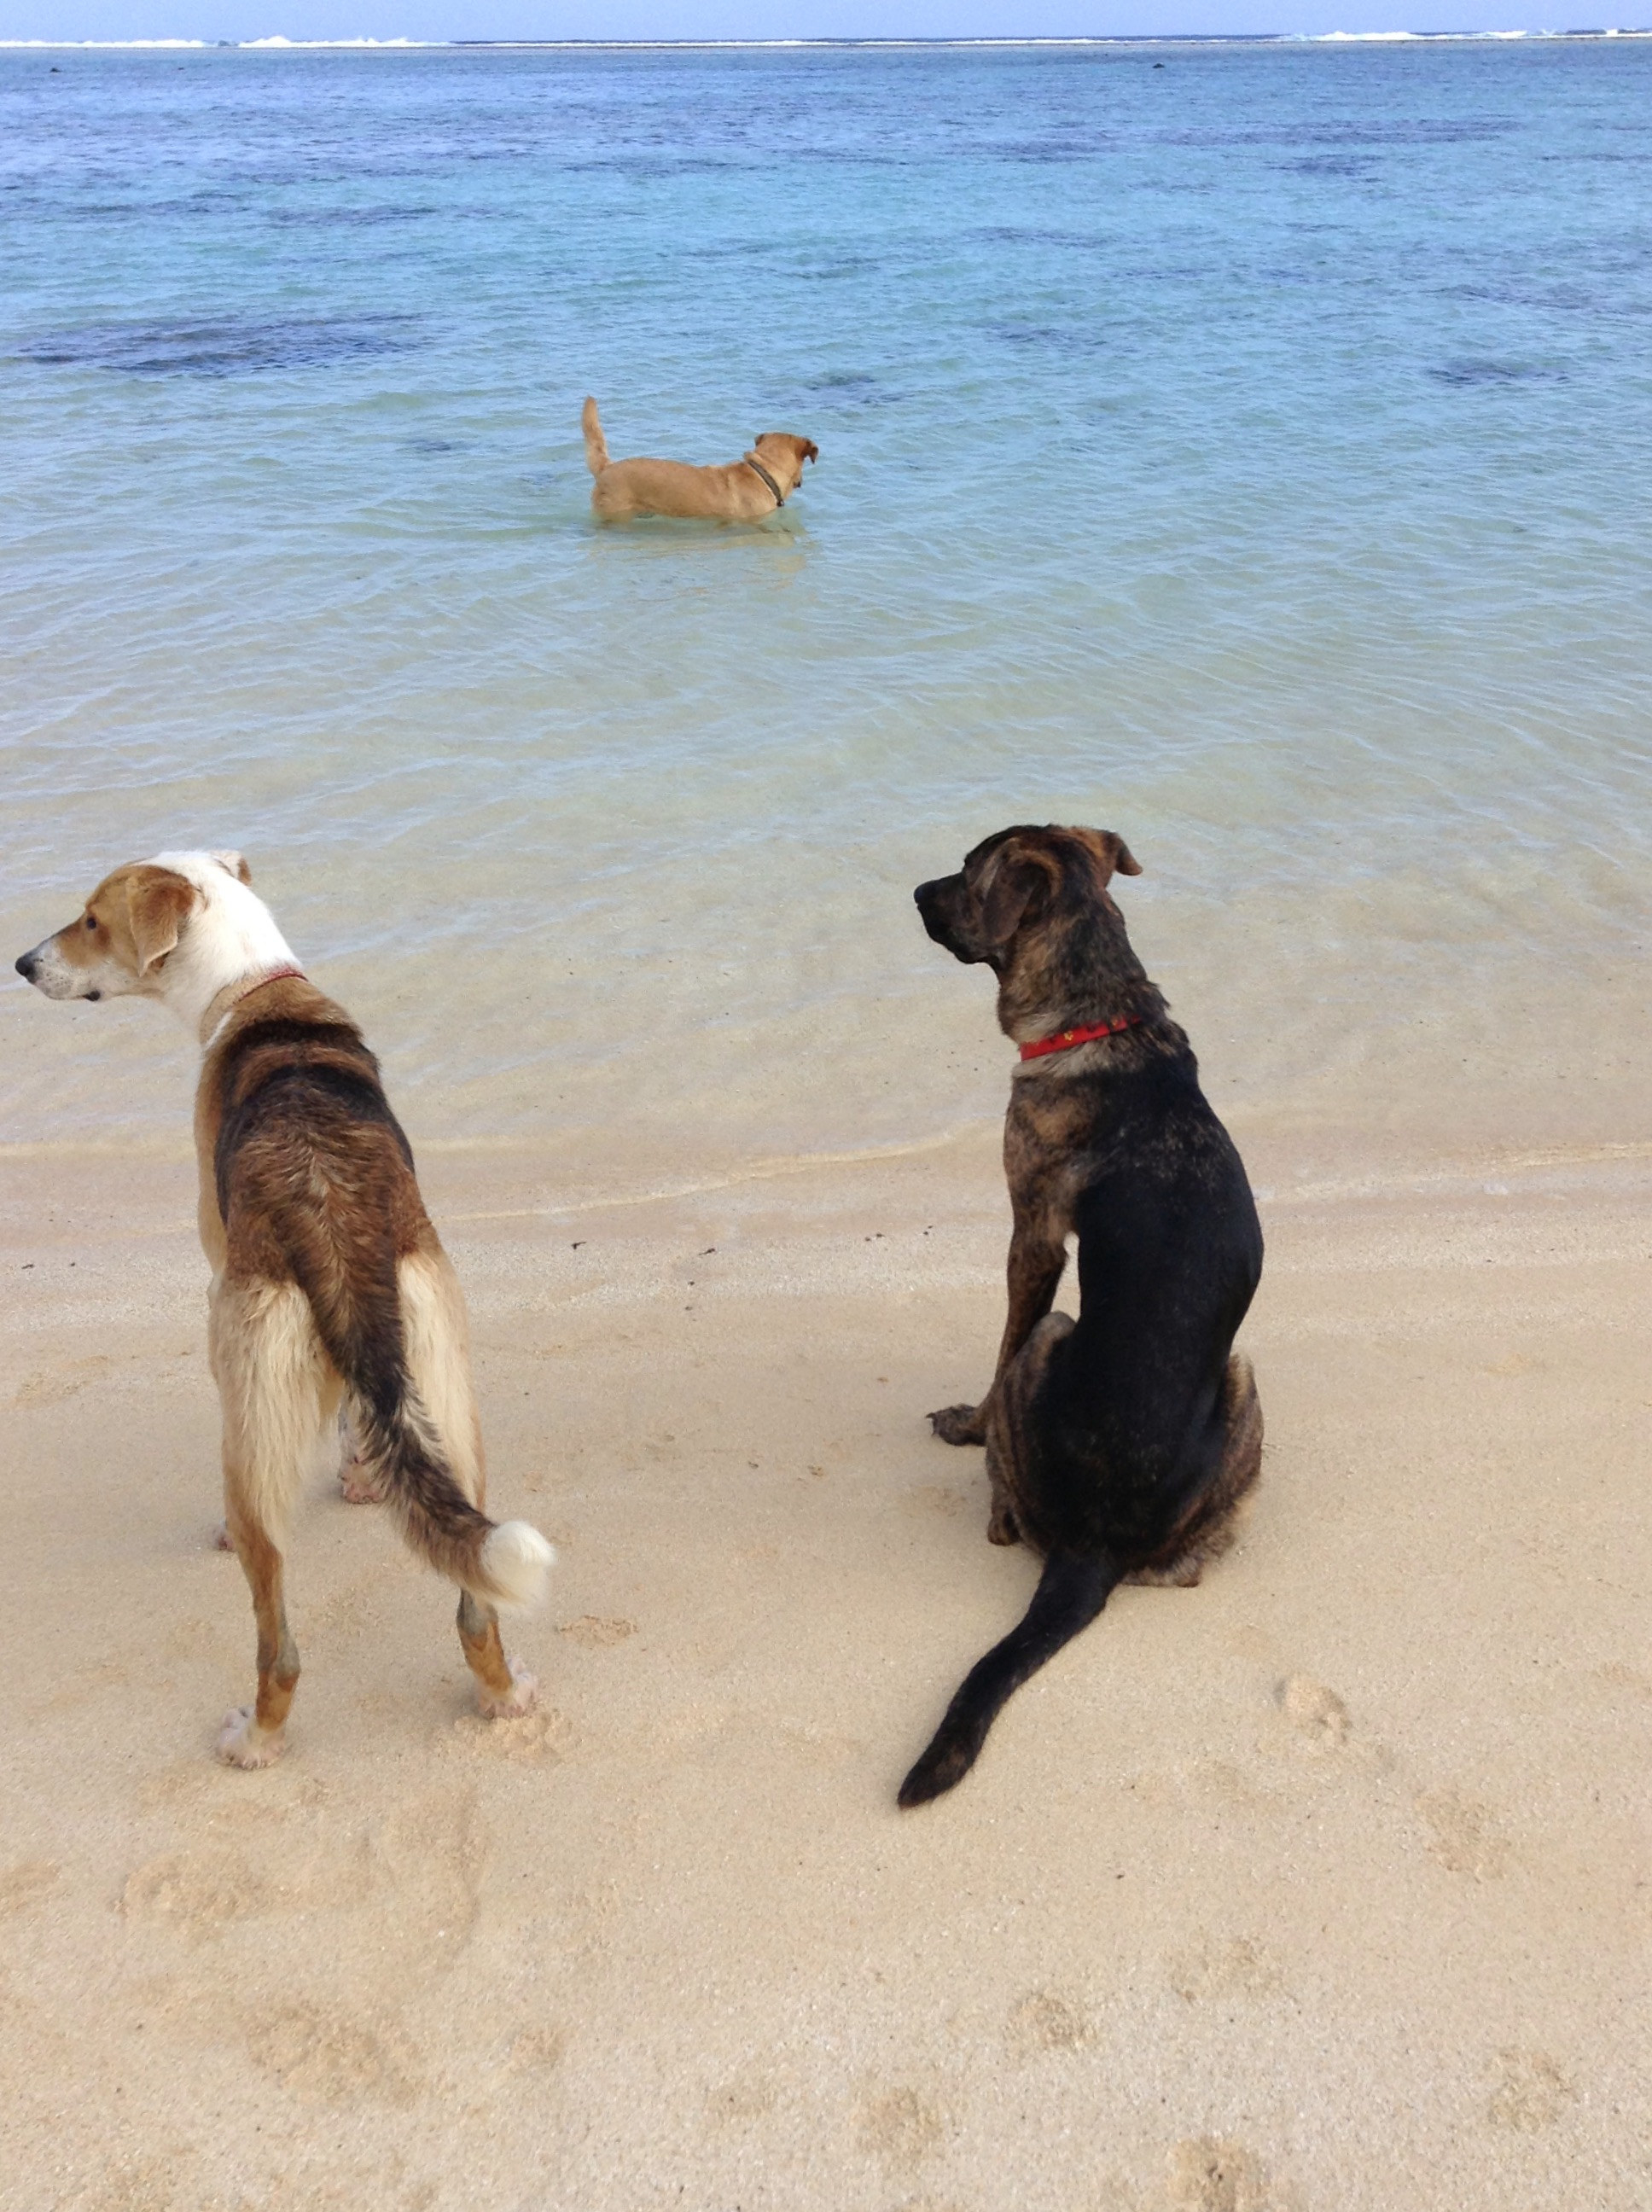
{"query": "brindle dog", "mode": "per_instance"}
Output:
(1119, 1445)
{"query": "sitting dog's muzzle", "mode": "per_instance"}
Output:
(937, 904)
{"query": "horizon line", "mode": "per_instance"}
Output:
(277, 43)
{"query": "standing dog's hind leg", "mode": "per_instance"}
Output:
(272, 1379)
(504, 1687)
(437, 1335)
(253, 1736)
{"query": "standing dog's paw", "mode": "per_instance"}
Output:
(960, 1424)
(359, 1485)
(518, 1700)
(242, 1742)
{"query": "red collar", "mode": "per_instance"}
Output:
(1064, 1040)
(276, 976)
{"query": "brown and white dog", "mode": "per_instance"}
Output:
(328, 1280)
(746, 490)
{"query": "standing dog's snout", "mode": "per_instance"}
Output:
(26, 964)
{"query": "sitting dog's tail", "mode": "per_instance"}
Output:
(596, 446)
(1072, 1592)
(355, 1298)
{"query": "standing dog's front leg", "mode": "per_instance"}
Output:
(1038, 1255)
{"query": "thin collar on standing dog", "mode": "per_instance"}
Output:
(1064, 1040)
(779, 497)
(209, 1037)
(276, 976)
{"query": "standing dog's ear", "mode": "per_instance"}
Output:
(1019, 880)
(158, 904)
(233, 864)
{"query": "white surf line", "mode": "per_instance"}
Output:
(760, 1171)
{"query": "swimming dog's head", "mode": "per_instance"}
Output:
(1033, 904)
(177, 929)
(783, 456)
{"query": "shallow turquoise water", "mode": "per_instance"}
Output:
(1252, 454)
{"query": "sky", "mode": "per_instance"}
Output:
(778, 19)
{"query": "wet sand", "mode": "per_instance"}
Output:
(1326, 1885)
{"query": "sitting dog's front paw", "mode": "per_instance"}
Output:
(359, 1485)
(960, 1424)
(242, 1742)
(518, 1699)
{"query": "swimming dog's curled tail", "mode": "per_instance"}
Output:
(1071, 1593)
(596, 446)
(352, 1282)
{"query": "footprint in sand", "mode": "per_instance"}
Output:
(430, 1855)
(937, 1498)
(199, 1891)
(1318, 1715)
(1465, 1836)
(51, 1388)
(596, 1635)
(318, 2052)
(1213, 1967)
(899, 2126)
(1532, 2091)
(25, 1884)
(745, 2096)
(1206, 2175)
(536, 2050)
(529, 1737)
(1045, 2021)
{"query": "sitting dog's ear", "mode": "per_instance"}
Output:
(1019, 882)
(810, 451)
(158, 904)
(234, 864)
(1116, 855)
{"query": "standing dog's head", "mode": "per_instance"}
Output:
(177, 929)
(783, 456)
(1032, 904)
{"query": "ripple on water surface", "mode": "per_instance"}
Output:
(1252, 454)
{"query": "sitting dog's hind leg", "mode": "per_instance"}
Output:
(273, 1379)
(1210, 1528)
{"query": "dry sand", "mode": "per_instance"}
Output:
(1325, 1886)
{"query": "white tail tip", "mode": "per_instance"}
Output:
(517, 1559)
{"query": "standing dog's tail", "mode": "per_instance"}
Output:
(350, 1281)
(1071, 1593)
(596, 446)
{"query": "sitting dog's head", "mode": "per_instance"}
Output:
(1021, 876)
(1033, 905)
(783, 456)
(177, 929)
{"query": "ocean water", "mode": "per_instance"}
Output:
(1248, 448)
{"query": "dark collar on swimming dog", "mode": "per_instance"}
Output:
(779, 497)
(1064, 1040)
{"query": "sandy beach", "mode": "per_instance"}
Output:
(1323, 1885)
(1240, 446)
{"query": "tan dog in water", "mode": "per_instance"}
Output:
(328, 1280)
(746, 490)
